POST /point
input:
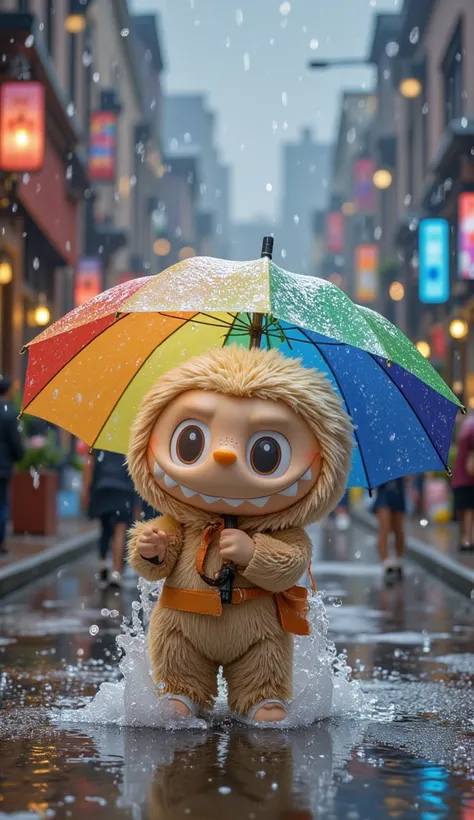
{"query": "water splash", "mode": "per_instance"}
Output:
(322, 679)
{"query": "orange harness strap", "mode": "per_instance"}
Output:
(292, 604)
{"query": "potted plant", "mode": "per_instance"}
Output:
(35, 487)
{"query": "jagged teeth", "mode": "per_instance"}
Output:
(290, 490)
(209, 499)
(170, 482)
(234, 502)
(259, 502)
(158, 472)
(307, 476)
(186, 492)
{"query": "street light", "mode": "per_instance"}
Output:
(382, 179)
(424, 349)
(458, 329)
(75, 21)
(410, 78)
(410, 88)
(396, 291)
(6, 269)
(41, 313)
(162, 247)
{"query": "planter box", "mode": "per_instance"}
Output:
(34, 503)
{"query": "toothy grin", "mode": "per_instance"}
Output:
(160, 476)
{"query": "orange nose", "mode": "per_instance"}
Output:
(225, 457)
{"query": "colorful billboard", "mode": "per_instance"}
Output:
(433, 252)
(466, 235)
(364, 189)
(334, 232)
(367, 275)
(103, 146)
(88, 281)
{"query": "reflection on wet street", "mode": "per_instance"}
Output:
(410, 756)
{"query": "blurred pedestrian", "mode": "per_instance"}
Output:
(463, 482)
(108, 494)
(11, 451)
(390, 509)
(341, 514)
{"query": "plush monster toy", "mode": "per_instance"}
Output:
(249, 434)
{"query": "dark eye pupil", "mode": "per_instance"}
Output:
(265, 456)
(190, 444)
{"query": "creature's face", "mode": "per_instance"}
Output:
(224, 454)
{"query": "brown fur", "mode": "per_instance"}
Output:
(247, 640)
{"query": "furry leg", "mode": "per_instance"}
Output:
(264, 672)
(181, 670)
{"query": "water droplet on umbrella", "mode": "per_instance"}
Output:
(94, 629)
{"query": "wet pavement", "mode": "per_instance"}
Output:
(411, 755)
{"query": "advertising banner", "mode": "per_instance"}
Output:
(364, 189)
(366, 271)
(88, 280)
(433, 253)
(466, 235)
(103, 146)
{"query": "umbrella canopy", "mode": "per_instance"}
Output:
(89, 371)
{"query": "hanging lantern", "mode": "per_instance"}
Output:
(6, 269)
(22, 126)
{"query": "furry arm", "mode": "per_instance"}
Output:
(279, 561)
(175, 541)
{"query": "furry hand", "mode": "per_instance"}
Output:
(236, 546)
(152, 543)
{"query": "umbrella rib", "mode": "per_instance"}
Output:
(372, 356)
(356, 436)
(239, 332)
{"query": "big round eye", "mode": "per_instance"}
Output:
(190, 442)
(268, 454)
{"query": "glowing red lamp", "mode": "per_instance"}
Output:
(22, 126)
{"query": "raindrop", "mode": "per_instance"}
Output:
(224, 790)
(386, 74)
(26, 179)
(227, 42)
(29, 41)
(425, 109)
(105, 612)
(239, 17)
(284, 98)
(125, 32)
(101, 455)
(407, 200)
(296, 219)
(14, 207)
(472, 594)
(268, 186)
(392, 49)
(423, 522)
(247, 61)
(283, 253)
(96, 77)
(351, 136)
(69, 172)
(285, 8)
(114, 613)
(358, 554)
(274, 125)
(87, 59)
(70, 109)
(336, 602)
(378, 233)
(464, 122)
(274, 787)
(187, 137)
(36, 263)
(94, 629)
(414, 35)
(314, 44)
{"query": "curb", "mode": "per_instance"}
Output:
(29, 569)
(449, 571)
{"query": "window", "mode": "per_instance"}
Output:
(453, 77)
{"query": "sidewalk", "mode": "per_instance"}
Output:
(435, 547)
(30, 556)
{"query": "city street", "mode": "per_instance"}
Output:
(408, 755)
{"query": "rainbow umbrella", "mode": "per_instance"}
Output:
(89, 371)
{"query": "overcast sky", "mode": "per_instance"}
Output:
(250, 57)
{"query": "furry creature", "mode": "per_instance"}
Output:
(248, 433)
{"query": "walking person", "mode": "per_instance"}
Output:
(109, 495)
(463, 482)
(390, 509)
(11, 451)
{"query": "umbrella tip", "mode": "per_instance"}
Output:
(267, 247)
